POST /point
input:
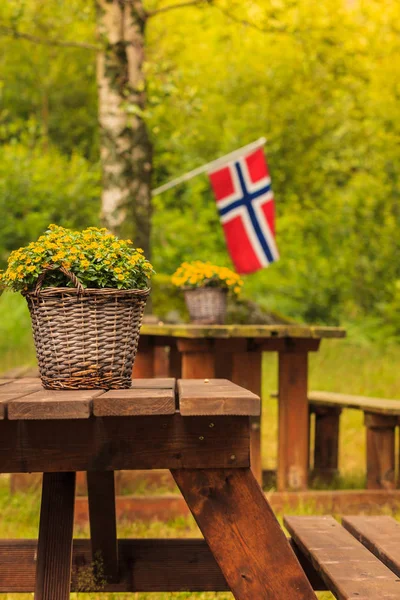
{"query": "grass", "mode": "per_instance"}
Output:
(340, 365)
(16, 344)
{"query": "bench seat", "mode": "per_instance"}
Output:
(358, 559)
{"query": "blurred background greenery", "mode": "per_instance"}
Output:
(318, 79)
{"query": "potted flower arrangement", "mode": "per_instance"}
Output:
(206, 288)
(86, 293)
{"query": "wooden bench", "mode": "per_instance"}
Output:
(201, 431)
(359, 558)
(381, 417)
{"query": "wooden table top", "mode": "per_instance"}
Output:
(26, 399)
(242, 331)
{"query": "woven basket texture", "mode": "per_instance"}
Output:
(207, 305)
(86, 338)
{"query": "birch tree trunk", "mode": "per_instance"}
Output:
(125, 147)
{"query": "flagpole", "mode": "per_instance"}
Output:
(209, 166)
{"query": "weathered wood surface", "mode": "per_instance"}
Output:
(376, 405)
(53, 404)
(293, 439)
(381, 535)
(243, 534)
(103, 524)
(136, 401)
(349, 570)
(247, 372)
(326, 446)
(27, 400)
(380, 450)
(162, 383)
(238, 331)
(216, 397)
(155, 565)
(115, 443)
(54, 554)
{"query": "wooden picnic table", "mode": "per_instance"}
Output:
(201, 432)
(235, 352)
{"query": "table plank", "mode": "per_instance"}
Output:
(10, 390)
(380, 534)
(24, 386)
(241, 331)
(162, 383)
(115, 443)
(53, 404)
(4, 381)
(4, 401)
(216, 397)
(382, 406)
(349, 570)
(135, 402)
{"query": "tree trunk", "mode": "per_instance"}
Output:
(125, 147)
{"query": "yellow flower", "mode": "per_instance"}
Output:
(121, 277)
(85, 263)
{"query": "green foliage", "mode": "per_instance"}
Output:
(321, 85)
(16, 343)
(39, 187)
(319, 80)
(52, 87)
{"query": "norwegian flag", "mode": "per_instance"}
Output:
(245, 203)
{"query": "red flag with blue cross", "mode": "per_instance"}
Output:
(246, 207)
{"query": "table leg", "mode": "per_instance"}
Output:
(243, 534)
(175, 362)
(293, 437)
(198, 359)
(246, 372)
(103, 524)
(143, 366)
(54, 555)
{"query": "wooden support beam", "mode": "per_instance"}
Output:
(243, 534)
(144, 361)
(54, 554)
(103, 523)
(246, 371)
(326, 447)
(380, 451)
(115, 443)
(293, 433)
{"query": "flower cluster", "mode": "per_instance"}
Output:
(98, 259)
(203, 274)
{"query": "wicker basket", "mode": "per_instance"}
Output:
(207, 305)
(85, 338)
